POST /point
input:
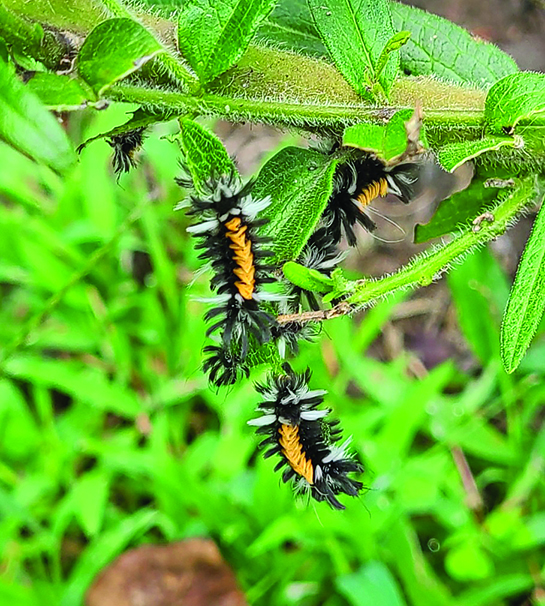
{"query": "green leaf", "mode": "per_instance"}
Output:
(26, 125)
(453, 155)
(457, 210)
(308, 279)
(480, 290)
(90, 494)
(141, 118)
(113, 50)
(512, 99)
(371, 585)
(527, 299)
(441, 48)
(204, 153)
(436, 47)
(394, 44)
(469, 562)
(60, 93)
(355, 33)
(290, 26)
(87, 384)
(299, 182)
(212, 36)
(386, 141)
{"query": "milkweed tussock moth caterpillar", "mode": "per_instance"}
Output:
(308, 445)
(356, 184)
(227, 231)
(125, 147)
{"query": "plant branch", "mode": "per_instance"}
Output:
(429, 266)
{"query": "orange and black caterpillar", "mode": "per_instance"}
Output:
(228, 240)
(306, 443)
(357, 183)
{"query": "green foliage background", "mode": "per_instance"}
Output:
(110, 436)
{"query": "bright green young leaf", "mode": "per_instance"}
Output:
(113, 50)
(527, 299)
(60, 93)
(386, 141)
(26, 124)
(469, 562)
(457, 210)
(371, 585)
(512, 99)
(203, 152)
(299, 182)
(453, 155)
(355, 33)
(441, 48)
(212, 36)
(394, 44)
(308, 279)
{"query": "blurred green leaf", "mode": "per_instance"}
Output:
(60, 93)
(355, 34)
(113, 50)
(90, 496)
(527, 299)
(29, 127)
(512, 99)
(468, 562)
(479, 289)
(372, 585)
(90, 385)
(299, 182)
(212, 36)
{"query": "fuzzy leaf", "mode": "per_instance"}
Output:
(527, 299)
(457, 210)
(355, 33)
(386, 141)
(441, 48)
(204, 153)
(453, 155)
(212, 36)
(26, 124)
(140, 118)
(299, 182)
(113, 50)
(512, 99)
(60, 93)
(436, 46)
(394, 44)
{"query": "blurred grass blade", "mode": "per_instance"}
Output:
(113, 50)
(27, 125)
(355, 34)
(527, 299)
(371, 585)
(212, 36)
(512, 99)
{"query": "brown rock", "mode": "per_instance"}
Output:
(187, 573)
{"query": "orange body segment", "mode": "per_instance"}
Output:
(243, 256)
(292, 449)
(373, 190)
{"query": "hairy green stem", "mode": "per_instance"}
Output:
(429, 266)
